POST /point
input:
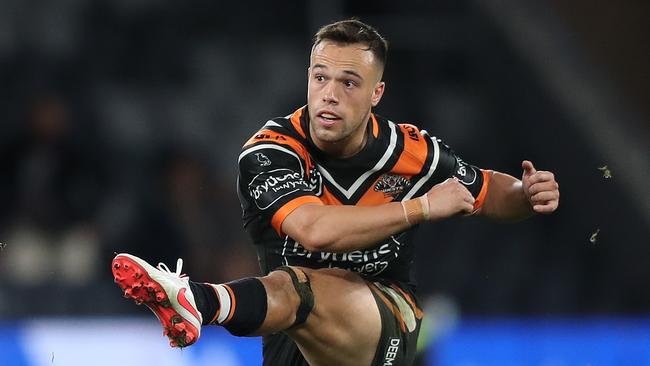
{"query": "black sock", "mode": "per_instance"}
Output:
(244, 308)
(206, 300)
(250, 298)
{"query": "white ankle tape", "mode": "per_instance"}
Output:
(225, 303)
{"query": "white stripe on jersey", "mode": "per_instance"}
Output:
(432, 168)
(380, 164)
(275, 147)
(284, 250)
(271, 123)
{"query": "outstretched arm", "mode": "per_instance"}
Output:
(511, 199)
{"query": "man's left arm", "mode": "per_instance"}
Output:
(511, 199)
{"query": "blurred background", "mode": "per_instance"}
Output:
(121, 122)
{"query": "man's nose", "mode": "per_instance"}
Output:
(330, 93)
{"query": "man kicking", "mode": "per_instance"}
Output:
(331, 196)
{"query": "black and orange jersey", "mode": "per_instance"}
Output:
(280, 169)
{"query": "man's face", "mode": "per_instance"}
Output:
(344, 83)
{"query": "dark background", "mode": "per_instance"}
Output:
(121, 122)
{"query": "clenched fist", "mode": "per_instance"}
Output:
(449, 198)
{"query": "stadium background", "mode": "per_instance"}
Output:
(121, 122)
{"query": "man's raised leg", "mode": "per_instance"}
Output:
(330, 313)
(343, 326)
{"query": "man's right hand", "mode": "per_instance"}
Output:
(449, 198)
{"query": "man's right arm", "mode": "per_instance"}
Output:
(272, 176)
(347, 228)
(327, 228)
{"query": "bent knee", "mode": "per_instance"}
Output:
(302, 287)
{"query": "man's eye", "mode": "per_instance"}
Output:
(348, 83)
(319, 77)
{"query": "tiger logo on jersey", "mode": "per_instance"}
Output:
(391, 184)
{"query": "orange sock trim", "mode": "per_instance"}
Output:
(216, 315)
(233, 304)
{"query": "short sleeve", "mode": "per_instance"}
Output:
(475, 179)
(272, 179)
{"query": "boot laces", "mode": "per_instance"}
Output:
(179, 267)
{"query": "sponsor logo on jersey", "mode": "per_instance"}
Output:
(370, 261)
(391, 184)
(466, 174)
(391, 352)
(268, 187)
(263, 159)
(412, 132)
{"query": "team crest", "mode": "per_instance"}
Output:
(391, 184)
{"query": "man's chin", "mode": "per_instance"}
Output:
(327, 137)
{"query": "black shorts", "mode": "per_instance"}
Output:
(401, 318)
(400, 325)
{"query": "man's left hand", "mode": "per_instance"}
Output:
(540, 188)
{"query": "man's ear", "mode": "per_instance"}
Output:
(377, 93)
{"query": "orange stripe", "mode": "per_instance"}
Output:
(295, 121)
(218, 310)
(484, 189)
(372, 198)
(418, 312)
(278, 138)
(414, 155)
(375, 125)
(233, 304)
(328, 198)
(284, 211)
(393, 309)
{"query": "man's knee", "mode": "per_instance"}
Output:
(302, 287)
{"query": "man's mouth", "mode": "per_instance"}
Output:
(328, 118)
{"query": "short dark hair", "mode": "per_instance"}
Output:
(354, 31)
